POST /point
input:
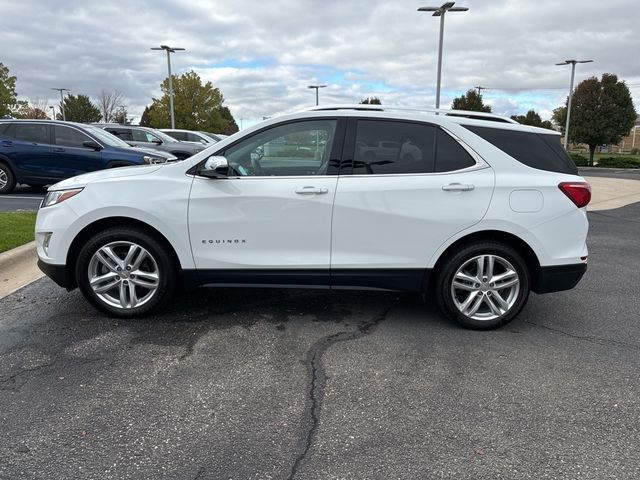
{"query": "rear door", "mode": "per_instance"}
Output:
(28, 146)
(404, 189)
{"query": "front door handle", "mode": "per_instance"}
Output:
(58, 149)
(311, 190)
(458, 187)
(7, 143)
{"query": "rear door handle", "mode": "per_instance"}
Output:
(311, 190)
(458, 187)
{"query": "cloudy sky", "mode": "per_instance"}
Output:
(263, 54)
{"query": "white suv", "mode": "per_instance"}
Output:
(482, 211)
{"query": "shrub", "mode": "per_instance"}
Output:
(580, 160)
(635, 151)
(619, 162)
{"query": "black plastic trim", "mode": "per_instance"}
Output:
(397, 279)
(559, 277)
(58, 273)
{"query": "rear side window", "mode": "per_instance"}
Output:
(177, 135)
(35, 133)
(540, 151)
(3, 127)
(121, 133)
(450, 154)
(387, 147)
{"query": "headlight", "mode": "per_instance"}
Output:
(58, 196)
(148, 159)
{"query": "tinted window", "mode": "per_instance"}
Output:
(532, 149)
(121, 133)
(386, 147)
(69, 137)
(450, 154)
(35, 133)
(299, 148)
(3, 127)
(143, 136)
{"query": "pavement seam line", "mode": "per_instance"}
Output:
(598, 340)
(319, 379)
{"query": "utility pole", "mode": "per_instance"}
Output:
(440, 12)
(169, 51)
(479, 88)
(64, 117)
(573, 72)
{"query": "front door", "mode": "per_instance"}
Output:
(270, 221)
(71, 156)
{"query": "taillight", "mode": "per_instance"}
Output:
(578, 192)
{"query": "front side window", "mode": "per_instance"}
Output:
(299, 148)
(69, 137)
(388, 147)
(31, 132)
(143, 136)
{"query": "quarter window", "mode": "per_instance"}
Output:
(299, 148)
(69, 137)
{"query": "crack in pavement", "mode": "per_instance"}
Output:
(12, 378)
(319, 379)
(586, 338)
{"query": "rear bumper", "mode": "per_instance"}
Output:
(558, 277)
(57, 273)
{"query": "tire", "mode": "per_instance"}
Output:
(495, 303)
(7, 179)
(130, 287)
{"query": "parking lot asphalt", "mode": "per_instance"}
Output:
(282, 384)
(23, 198)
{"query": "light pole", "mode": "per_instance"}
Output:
(53, 112)
(317, 87)
(439, 12)
(169, 51)
(64, 117)
(573, 72)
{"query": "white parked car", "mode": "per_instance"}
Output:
(484, 211)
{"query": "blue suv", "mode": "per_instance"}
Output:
(41, 152)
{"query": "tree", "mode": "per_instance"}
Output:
(79, 109)
(371, 101)
(145, 119)
(196, 106)
(108, 104)
(232, 126)
(602, 112)
(8, 97)
(532, 118)
(120, 116)
(471, 101)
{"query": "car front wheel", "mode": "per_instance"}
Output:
(483, 286)
(125, 272)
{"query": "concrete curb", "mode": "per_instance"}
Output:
(18, 268)
(17, 255)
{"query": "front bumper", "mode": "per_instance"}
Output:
(58, 273)
(558, 277)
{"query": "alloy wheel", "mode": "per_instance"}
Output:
(485, 287)
(123, 275)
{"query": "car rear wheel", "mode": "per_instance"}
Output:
(7, 179)
(125, 272)
(483, 286)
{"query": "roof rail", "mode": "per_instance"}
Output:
(444, 111)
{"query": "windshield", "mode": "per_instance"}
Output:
(106, 137)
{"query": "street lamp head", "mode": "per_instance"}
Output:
(573, 62)
(442, 9)
(316, 86)
(167, 48)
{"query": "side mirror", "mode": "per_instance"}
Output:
(157, 141)
(91, 144)
(215, 167)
